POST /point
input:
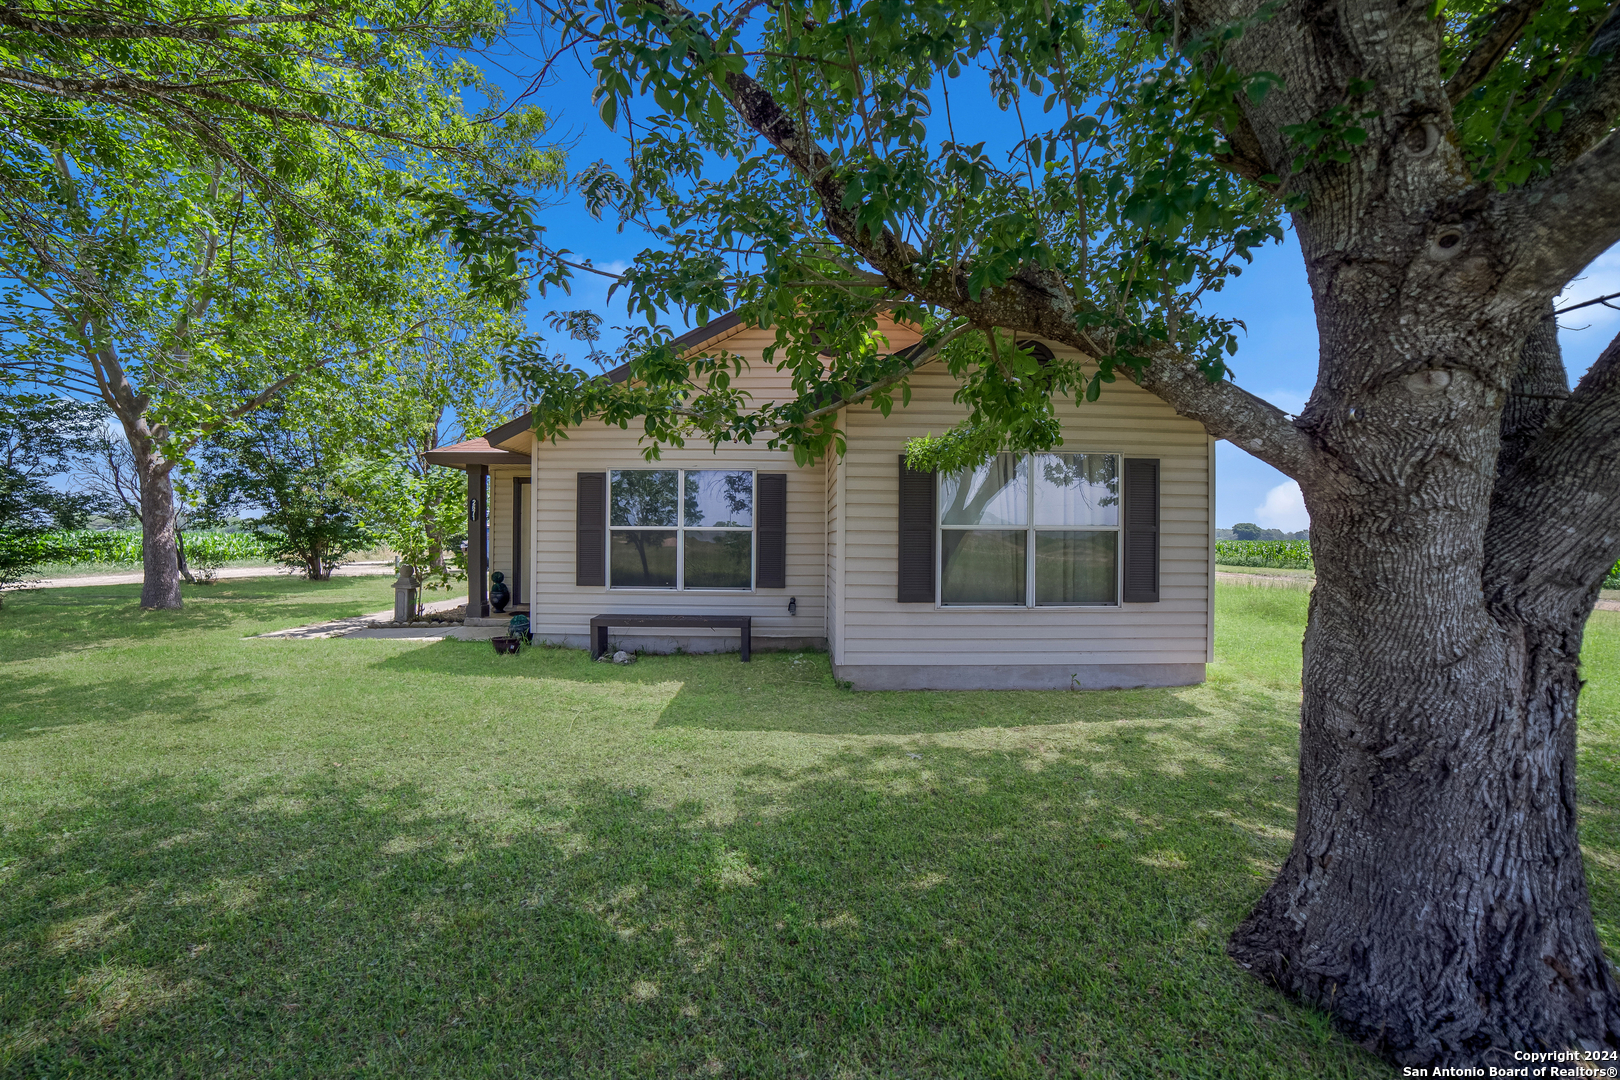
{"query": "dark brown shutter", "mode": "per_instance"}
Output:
(590, 529)
(916, 535)
(770, 508)
(1141, 484)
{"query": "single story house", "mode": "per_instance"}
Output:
(1091, 567)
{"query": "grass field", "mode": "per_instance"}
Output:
(227, 857)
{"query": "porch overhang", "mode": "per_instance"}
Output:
(473, 452)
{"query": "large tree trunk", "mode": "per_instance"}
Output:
(160, 587)
(160, 555)
(1435, 900)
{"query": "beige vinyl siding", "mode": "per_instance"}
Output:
(561, 611)
(876, 629)
(763, 382)
(500, 520)
(842, 543)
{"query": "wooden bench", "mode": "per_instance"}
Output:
(600, 624)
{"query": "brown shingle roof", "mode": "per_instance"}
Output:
(473, 452)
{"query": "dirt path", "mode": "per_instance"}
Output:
(1275, 581)
(359, 569)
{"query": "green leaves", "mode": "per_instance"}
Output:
(1505, 121)
(493, 233)
(270, 95)
(1332, 133)
(839, 184)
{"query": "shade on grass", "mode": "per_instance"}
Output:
(229, 857)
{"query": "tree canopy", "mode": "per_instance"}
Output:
(207, 204)
(801, 163)
(267, 92)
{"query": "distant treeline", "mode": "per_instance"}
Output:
(1243, 530)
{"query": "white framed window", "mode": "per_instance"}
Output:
(1031, 530)
(681, 529)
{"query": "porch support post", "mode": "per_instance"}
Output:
(477, 541)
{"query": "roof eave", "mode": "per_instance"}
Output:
(460, 459)
(695, 338)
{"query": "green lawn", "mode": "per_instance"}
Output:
(225, 857)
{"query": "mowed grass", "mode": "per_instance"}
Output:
(231, 857)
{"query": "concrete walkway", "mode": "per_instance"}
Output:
(360, 627)
(357, 569)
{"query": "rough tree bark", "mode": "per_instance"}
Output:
(1464, 508)
(160, 552)
(1435, 900)
(160, 587)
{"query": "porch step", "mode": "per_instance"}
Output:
(493, 620)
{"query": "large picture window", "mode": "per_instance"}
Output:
(1031, 530)
(681, 529)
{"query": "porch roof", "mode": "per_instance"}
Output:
(474, 452)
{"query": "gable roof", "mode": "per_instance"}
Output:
(695, 338)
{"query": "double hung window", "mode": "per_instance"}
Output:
(1031, 530)
(681, 529)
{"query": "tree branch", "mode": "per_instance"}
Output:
(1555, 514)
(213, 30)
(269, 393)
(1248, 156)
(150, 89)
(1033, 300)
(1539, 388)
(1564, 222)
(1507, 26)
(1588, 105)
(1604, 300)
(1230, 412)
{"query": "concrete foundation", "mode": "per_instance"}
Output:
(1018, 676)
(661, 645)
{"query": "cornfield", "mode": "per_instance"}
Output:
(1296, 555)
(1282, 554)
(124, 546)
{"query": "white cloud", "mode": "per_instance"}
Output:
(1284, 509)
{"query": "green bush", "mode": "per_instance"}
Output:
(1281, 554)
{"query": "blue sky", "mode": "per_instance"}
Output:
(1277, 360)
